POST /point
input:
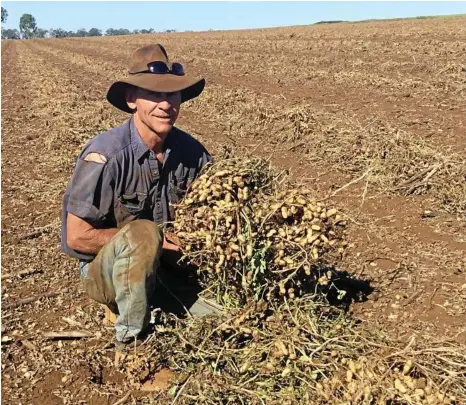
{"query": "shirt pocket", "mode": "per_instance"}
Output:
(130, 206)
(133, 202)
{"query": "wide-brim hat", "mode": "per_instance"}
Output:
(140, 75)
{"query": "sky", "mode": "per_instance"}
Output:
(202, 16)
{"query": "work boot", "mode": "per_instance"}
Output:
(203, 307)
(131, 344)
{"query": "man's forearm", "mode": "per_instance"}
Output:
(92, 240)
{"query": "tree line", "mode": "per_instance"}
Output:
(28, 29)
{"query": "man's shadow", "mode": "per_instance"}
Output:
(177, 288)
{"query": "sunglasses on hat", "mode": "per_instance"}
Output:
(161, 68)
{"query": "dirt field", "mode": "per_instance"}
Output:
(371, 114)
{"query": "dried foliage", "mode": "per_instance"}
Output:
(299, 352)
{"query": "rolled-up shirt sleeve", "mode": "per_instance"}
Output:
(91, 192)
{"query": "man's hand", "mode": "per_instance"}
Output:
(171, 242)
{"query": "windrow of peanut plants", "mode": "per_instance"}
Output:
(392, 160)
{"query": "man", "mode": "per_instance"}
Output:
(117, 203)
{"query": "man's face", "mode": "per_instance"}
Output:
(158, 111)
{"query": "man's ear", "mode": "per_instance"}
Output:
(131, 95)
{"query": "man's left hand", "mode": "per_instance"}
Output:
(171, 242)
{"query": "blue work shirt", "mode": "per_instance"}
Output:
(129, 182)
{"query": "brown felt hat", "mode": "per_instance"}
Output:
(146, 71)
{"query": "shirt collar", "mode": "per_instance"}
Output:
(138, 145)
(140, 149)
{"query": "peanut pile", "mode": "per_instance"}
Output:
(252, 237)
